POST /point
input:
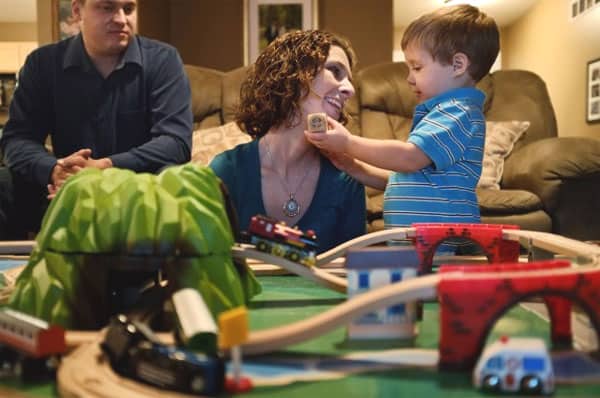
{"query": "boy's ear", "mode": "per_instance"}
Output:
(460, 63)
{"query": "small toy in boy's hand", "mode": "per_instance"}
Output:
(317, 122)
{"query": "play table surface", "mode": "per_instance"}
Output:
(286, 299)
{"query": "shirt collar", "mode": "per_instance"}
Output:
(76, 56)
(471, 93)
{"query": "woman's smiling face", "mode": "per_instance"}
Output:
(332, 86)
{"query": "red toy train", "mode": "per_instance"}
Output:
(29, 345)
(275, 237)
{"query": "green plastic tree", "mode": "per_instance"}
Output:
(98, 217)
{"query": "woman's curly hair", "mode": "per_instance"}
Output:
(281, 77)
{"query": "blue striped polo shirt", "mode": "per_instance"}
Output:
(450, 129)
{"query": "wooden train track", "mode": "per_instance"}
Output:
(315, 274)
(364, 241)
(264, 341)
(84, 373)
(16, 246)
(556, 244)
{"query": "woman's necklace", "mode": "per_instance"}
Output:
(291, 207)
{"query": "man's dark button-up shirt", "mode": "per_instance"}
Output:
(139, 116)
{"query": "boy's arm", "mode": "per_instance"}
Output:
(384, 154)
(366, 174)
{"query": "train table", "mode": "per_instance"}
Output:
(334, 367)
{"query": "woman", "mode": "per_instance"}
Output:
(279, 173)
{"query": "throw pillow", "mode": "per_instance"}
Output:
(500, 138)
(208, 143)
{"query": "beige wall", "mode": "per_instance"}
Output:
(547, 42)
(44, 23)
(18, 31)
(154, 19)
(368, 25)
(210, 33)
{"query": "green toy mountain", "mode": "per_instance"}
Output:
(100, 218)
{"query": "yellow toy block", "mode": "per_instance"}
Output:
(233, 327)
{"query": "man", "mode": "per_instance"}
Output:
(106, 97)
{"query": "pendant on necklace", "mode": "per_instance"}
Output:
(291, 207)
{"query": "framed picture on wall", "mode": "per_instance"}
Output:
(268, 19)
(593, 91)
(63, 24)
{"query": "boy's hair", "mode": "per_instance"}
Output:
(281, 77)
(450, 30)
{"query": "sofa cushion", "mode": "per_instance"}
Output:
(500, 138)
(507, 201)
(503, 201)
(205, 84)
(208, 143)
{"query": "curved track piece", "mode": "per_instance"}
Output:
(364, 241)
(315, 274)
(86, 373)
(556, 244)
(272, 339)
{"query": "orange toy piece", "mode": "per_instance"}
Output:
(233, 331)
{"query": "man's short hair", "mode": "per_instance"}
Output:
(457, 29)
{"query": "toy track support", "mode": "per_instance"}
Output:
(471, 303)
(489, 237)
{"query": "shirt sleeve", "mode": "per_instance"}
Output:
(171, 118)
(444, 133)
(29, 124)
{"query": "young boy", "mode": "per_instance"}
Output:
(432, 176)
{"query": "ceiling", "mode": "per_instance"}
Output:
(504, 11)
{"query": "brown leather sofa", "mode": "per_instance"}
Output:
(549, 184)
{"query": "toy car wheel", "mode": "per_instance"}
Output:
(531, 384)
(293, 256)
(278, 251)
(491, 383)
(197, 384)
(263, 246)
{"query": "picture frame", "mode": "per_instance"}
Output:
(593, 91)
(267, 19)
(63, 24)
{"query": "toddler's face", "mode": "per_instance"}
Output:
(427, 77)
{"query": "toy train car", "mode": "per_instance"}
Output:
(275, 237)
(175, 369)
(196, 328)
(29, 345)
(135, 353)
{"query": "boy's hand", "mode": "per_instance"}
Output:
(335, 140)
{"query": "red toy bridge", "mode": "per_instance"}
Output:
(428, 236)
(471, 302)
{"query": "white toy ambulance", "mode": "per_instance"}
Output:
(516, 364)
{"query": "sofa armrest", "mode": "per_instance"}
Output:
(543, 166)
(565, 174)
